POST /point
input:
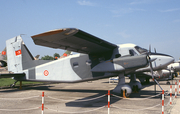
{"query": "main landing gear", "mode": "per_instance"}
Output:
(13, 85)
(126, 89)
(135, 85)
(122, 86)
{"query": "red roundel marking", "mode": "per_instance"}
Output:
(46, 73)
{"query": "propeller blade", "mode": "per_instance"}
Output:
(155, 50)
(151, 69)
(150, 49)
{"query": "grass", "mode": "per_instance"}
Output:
(4, 82)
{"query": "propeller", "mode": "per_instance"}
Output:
(151, 68)
(155, 50)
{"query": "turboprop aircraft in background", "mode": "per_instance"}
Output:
(174, 67)
(170, 72)
(96, 59)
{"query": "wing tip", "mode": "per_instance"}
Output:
(51, 32)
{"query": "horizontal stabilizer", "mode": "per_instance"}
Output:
(15, 75)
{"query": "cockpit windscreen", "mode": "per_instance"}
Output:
(141, 50)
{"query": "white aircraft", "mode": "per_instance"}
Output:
(96, 59)
(174, 67)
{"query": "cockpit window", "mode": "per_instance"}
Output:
(141, 50)
(132, 52)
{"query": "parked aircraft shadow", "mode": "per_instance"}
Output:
(85, 102)
(25, 88)
(103, 101)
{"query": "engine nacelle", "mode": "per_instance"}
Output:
(121, 87)
(162, 74)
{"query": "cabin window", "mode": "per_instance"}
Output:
(75, 64)
(88, 62)
(132, 52)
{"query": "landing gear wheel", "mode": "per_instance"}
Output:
(12, 85)
(168, 83)
(124, 93)
(147, 80)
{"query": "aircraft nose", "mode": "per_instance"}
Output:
(162, 60)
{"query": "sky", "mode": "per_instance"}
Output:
(141, 22)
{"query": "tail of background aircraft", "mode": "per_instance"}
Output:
(3, 58)
(3, 54)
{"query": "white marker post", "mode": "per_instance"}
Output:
(175, 89)
(179, 86)
(170, 94)
(108, 101)
(42, 102)
(162, 101)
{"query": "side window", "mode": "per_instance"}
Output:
(132, 52)
(117, 55)
(88, 62)
(75, 64)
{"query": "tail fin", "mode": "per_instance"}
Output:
(3, 54)
(3, 58)
(17, 54)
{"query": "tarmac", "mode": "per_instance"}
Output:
(86, 98)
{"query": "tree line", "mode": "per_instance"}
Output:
(47, 57)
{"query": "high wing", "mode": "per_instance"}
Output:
(73, 39)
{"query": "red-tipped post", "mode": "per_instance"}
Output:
(179, 86)
(42, 102)
(170, 94)
(108, 101)
(175, 89)
(162, 101)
